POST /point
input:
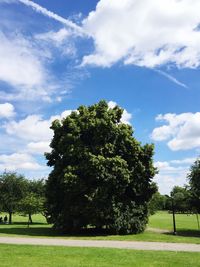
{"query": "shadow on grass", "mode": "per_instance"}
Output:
(42, 229)
(186, 233)
(45, 230)
(33, 230)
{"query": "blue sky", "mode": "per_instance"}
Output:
(142, 55)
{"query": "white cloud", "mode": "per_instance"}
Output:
(34, 136)
(167, 181)
(31, 136)
(33, 127)
(62, 39)
(171, 173)
(18, 161)
(7, 110)
(184, 161)
(38, 147)
(20, 65)
(126, 117)
(58, 37)
(146, 33)
(182, 131)
(23, 67)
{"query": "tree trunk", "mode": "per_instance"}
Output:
(30, 219)
(197, 216)
(10, 218)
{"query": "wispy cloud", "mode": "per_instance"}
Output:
(52, 15)
(171, 78)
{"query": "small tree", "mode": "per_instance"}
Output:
(102, 176)
(34, 199)
(31, 204)
(13, 188)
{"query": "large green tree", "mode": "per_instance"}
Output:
(101, 175)
(13, 188)
(194, 182)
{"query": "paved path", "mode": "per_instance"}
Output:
(101, 244)
(158, 230)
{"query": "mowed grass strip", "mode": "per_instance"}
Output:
(186, 226)
(43, 256)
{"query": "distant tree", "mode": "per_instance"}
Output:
(37, 187)
(181, 197)
(13, 188)
(34, 199)
(157, 203)
(194, 184)
(31, 204)
(102, 176)
(168, 203)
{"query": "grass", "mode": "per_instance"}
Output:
(186, 225)
(163, 220)
(40, 256)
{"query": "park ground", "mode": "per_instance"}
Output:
(160, 230)
(160, 226)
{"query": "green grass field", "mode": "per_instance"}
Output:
(40, 256)
(186, 227)
(163, 220)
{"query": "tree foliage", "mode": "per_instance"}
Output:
(182, 199)
(34, 199)
(102, 176)
(31, 204)
(194, 182)
(157, 202)
(13, 188)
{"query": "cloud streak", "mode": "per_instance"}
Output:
(52, 15)
(171, 78)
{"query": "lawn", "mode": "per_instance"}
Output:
(186, 227)
(40, 256)
(163, 220)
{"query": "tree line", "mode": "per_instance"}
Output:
(19, 194)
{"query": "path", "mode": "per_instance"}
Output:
(158, 230)
(101, 244)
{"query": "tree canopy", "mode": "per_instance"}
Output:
(182, 199)
(13, 188)
(101, 175)
(34, 199)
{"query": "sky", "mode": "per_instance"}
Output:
(143, 55)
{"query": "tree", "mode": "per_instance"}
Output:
(156, 203)
(31, 204)
(194, 183)
(181, 197)
(13, 188)
(34, 199)
(102, 176)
